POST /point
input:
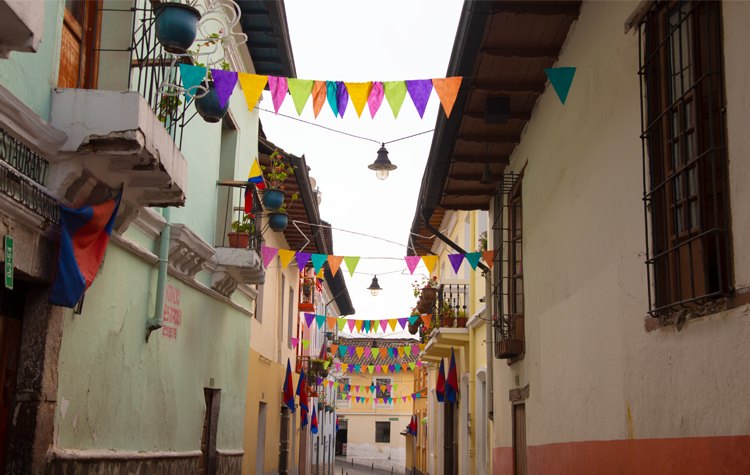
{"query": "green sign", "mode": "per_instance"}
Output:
(393, 418)
(8, 262)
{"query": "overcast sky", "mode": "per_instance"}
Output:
(367, 41)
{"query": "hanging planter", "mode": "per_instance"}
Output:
(278, 221)
(273, 198)
(208, 106)
(176, 26)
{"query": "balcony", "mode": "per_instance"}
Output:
(21, 24)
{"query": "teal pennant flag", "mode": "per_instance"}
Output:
(561, 80)
(192, 76)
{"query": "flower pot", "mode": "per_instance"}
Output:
(461, 322)
(414, 327)
(429, 294)
(273, 198)
(239, 240)
(176, 25)
(278, 221)
(208, 106)
(448, 322)
(508, 348)
(424, 306)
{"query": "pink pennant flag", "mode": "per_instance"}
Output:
(376, 98)
(412, 262)
(383, 324)
(295, 342)
(415, 349)
(377, 369)
(419, 364)
(268, 254)
(456, 260)
(351, 324)
(338, 366)
(279, 87)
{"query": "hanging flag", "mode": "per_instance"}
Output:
(343, 349)
(419, 91)
(319, 96)
(330, 322)
(370, 368)
(395, 93)
(392, 324)
(473, 259)
(412, 262)
(489, 258)
(412, 427)
(451, 383)
(309, 317)
(360, 351)
(447, 90)
(430, 261)
(351, 264)
(305, 344)
(366, 326)
(359, 92)
(426, 318)
(383, 324)
(314, 421)
(224, 82)
(342, 98)
(289, 387)
(295, 342)
(561, 80)
(255, 177)
(302, 393)
(384, 353)
(351, 324)
(352, 350)
(320, 320)
(279, 87)
(318, 260)
(456, 260)
(358, 325)
(286, 256)
(192, 77)
(375, 98)
(402, 322)
(331, 88)
(252, 87)
(384, 368)
(413, 319)
(341, 323)
(268, 254)
(84, 234)
(302, 259)
(300, 90)
(440, 385)
(411, 367)
(334, 262)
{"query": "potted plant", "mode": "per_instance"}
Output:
(447, 315)
(426, 290)
(176, 25)
(207, 102)
(275, 175)
(278, 219)
(461, 319)
(242, 229)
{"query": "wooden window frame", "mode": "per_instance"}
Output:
(88, 34)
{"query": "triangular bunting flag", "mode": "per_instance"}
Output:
(384, 368)
(489, 258)
(318, 260)
(320, 320)
(376, 98)
(561, 79)
(319, 96)
(279, 87)
(473, 259)
(395, 93)
(412, 262)
(426, 318)
(411, 366)
(360, 351)
(384, 353)
(224, 82)
(456, 260)
(286, 256)
(192, 76)
(300, 90)
(351, 264)
(413, 319)
(334, 262)
(331, 322)
(302, 259)
(342, 97)
(430, 261)
(341, 323)
(295, 342)
(343, 349)
(392, 323)
(351, 324)
(383, 324)
(309, 317)
(252, 87)
(331, 96)
(370, 368)
(358, 325)
(268, 254)
(305, 343)
(402, 322)
(447, 90)
(419, 91)
(359, 92)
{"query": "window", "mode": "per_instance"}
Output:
(685, 196)
(382, 390)
(79, 54)
(383, 432)
(342, 396)
(290, 314)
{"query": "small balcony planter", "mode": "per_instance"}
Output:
(208, 106)
(239, 240)
(508, 348)
(278, 221)
(176, 26)
(273, 198)
(461, 319)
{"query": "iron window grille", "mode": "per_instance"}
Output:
(685, 191)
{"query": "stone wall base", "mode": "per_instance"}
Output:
(71, 462)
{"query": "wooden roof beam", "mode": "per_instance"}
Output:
(511, 116)
(492, 138)
(501, 159)
(570, 9)
(521, 53)
(508, 88)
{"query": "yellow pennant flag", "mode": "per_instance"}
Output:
(400, 351)
(358, 93)
(358, 325)
(252, 86)
(392, 323)
(447, 90)
(334, 262)
(430, 262)
(344, 367)
(286, 257)
(360, 351)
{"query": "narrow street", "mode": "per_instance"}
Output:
(347, 467)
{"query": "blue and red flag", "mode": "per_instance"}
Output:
(314, 422)
(440, 385)
(412, 427)
(451, 384)
(302, 393)
(84, 234)
(255, 177)
(289, 387)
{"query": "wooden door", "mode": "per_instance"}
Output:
(519, 439)
(10, 344)
(79, 55)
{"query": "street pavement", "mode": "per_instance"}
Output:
(344, 466)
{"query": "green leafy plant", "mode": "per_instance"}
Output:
(276, 173)
(284, 206)
(246, 224)
(168, 104)
(417, 286)
(482, 241)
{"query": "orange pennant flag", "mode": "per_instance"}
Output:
(334, 262)
(334, 348)
(404, 366)
(430, 262)
(447, 90)
(252, 86)
(330, 322)
(384, 353)
(426, 318)
(358, 93)
(489, 258)
(319, 96)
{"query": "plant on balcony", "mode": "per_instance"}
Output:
(275, 175)
(169, 103)
(278, 219)
(176, 25)
(447, 315)
(242, 229)
(426, 290)
(482, 241)
(461, 319)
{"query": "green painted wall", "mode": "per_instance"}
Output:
(118, 392)
(31, 76)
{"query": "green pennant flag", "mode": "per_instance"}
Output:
(305, 343)
(370, 368)
(341, 322)
(300, 89)
(351, 264)
(411, 366)
(318, 260)
(320, 320)
(395, 93)
(325, 364)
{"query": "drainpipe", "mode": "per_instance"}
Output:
(155, 322)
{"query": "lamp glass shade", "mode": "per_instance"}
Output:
(382, 165)
(374, 288)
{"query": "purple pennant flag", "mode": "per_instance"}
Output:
(319, 381)
(224, 82)
(391, 368)
(309, 317)
(342, 97)
(402, 322)
(376, 98)
(419, 90)
(302, 259)
(412, 262)
(351, 351)
(268, 254)
(456, 260)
